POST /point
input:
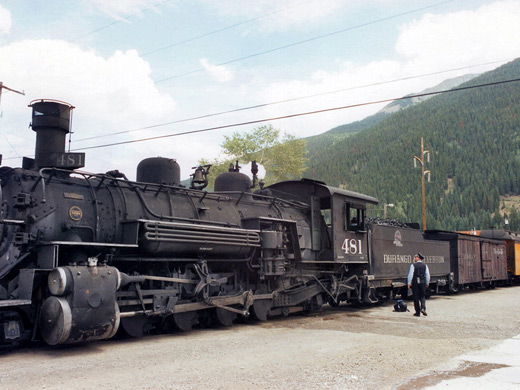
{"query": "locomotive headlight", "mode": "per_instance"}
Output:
(58, 281)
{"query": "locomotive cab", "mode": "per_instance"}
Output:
(338, 232)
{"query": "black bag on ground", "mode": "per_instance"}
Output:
(401, 306)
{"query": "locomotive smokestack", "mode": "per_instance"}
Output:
(51, 122)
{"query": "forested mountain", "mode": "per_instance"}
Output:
(474, 139)
(445, 85)
(316, 144)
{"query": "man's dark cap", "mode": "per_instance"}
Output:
(420, 256)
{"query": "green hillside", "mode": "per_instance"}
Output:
(318, 143)
(474, 137)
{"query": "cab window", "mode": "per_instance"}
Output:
(354, 217)
(327, 217)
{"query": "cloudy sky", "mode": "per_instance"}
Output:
(138, 69)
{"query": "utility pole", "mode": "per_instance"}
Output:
(422, 161)
(2, 87)
(385, 208)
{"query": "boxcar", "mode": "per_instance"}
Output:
(512, 240)
(475, 261)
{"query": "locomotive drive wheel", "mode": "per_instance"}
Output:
(134, 326)
(261, 309)
(224, 317)
(332, 302)
(184, 321)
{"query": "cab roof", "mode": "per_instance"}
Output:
(303, 189)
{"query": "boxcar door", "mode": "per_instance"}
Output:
(487, 261)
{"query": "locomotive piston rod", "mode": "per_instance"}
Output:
(246, 299)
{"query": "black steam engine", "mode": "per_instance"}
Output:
(84, 255)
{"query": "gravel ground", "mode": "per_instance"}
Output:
(341, 348)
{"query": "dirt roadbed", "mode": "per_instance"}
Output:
(340, 348)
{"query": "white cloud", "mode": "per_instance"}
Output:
(5, 21)
(116, 93)
(279, 15)
(111, 94)
(219, 73)
(433, 44)
(116, 86)
(344, 87)
(489, 33)
(121, 9)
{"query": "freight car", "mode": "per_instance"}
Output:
(85, 255)
(512, 242)
(475, 261)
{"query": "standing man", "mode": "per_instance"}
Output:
(418, 281)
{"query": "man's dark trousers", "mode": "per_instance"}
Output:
(419, 296)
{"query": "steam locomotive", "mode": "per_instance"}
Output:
(83, 255)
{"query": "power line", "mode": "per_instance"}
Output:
(300, 114)
(220, 30)
(2, 87)
(304, 41)
(261, 105)
(120, 20)
(296, 115)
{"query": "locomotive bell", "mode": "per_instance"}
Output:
(199, 179)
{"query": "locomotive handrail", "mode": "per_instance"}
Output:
(137, 186)
(12, 222)
(170, 217)
(273, 199)
(96, 206)
(52, 174)
(206, 224)
(90, 243)
(145, 204)
(43, 185)
(195, 208)
(104, 176)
